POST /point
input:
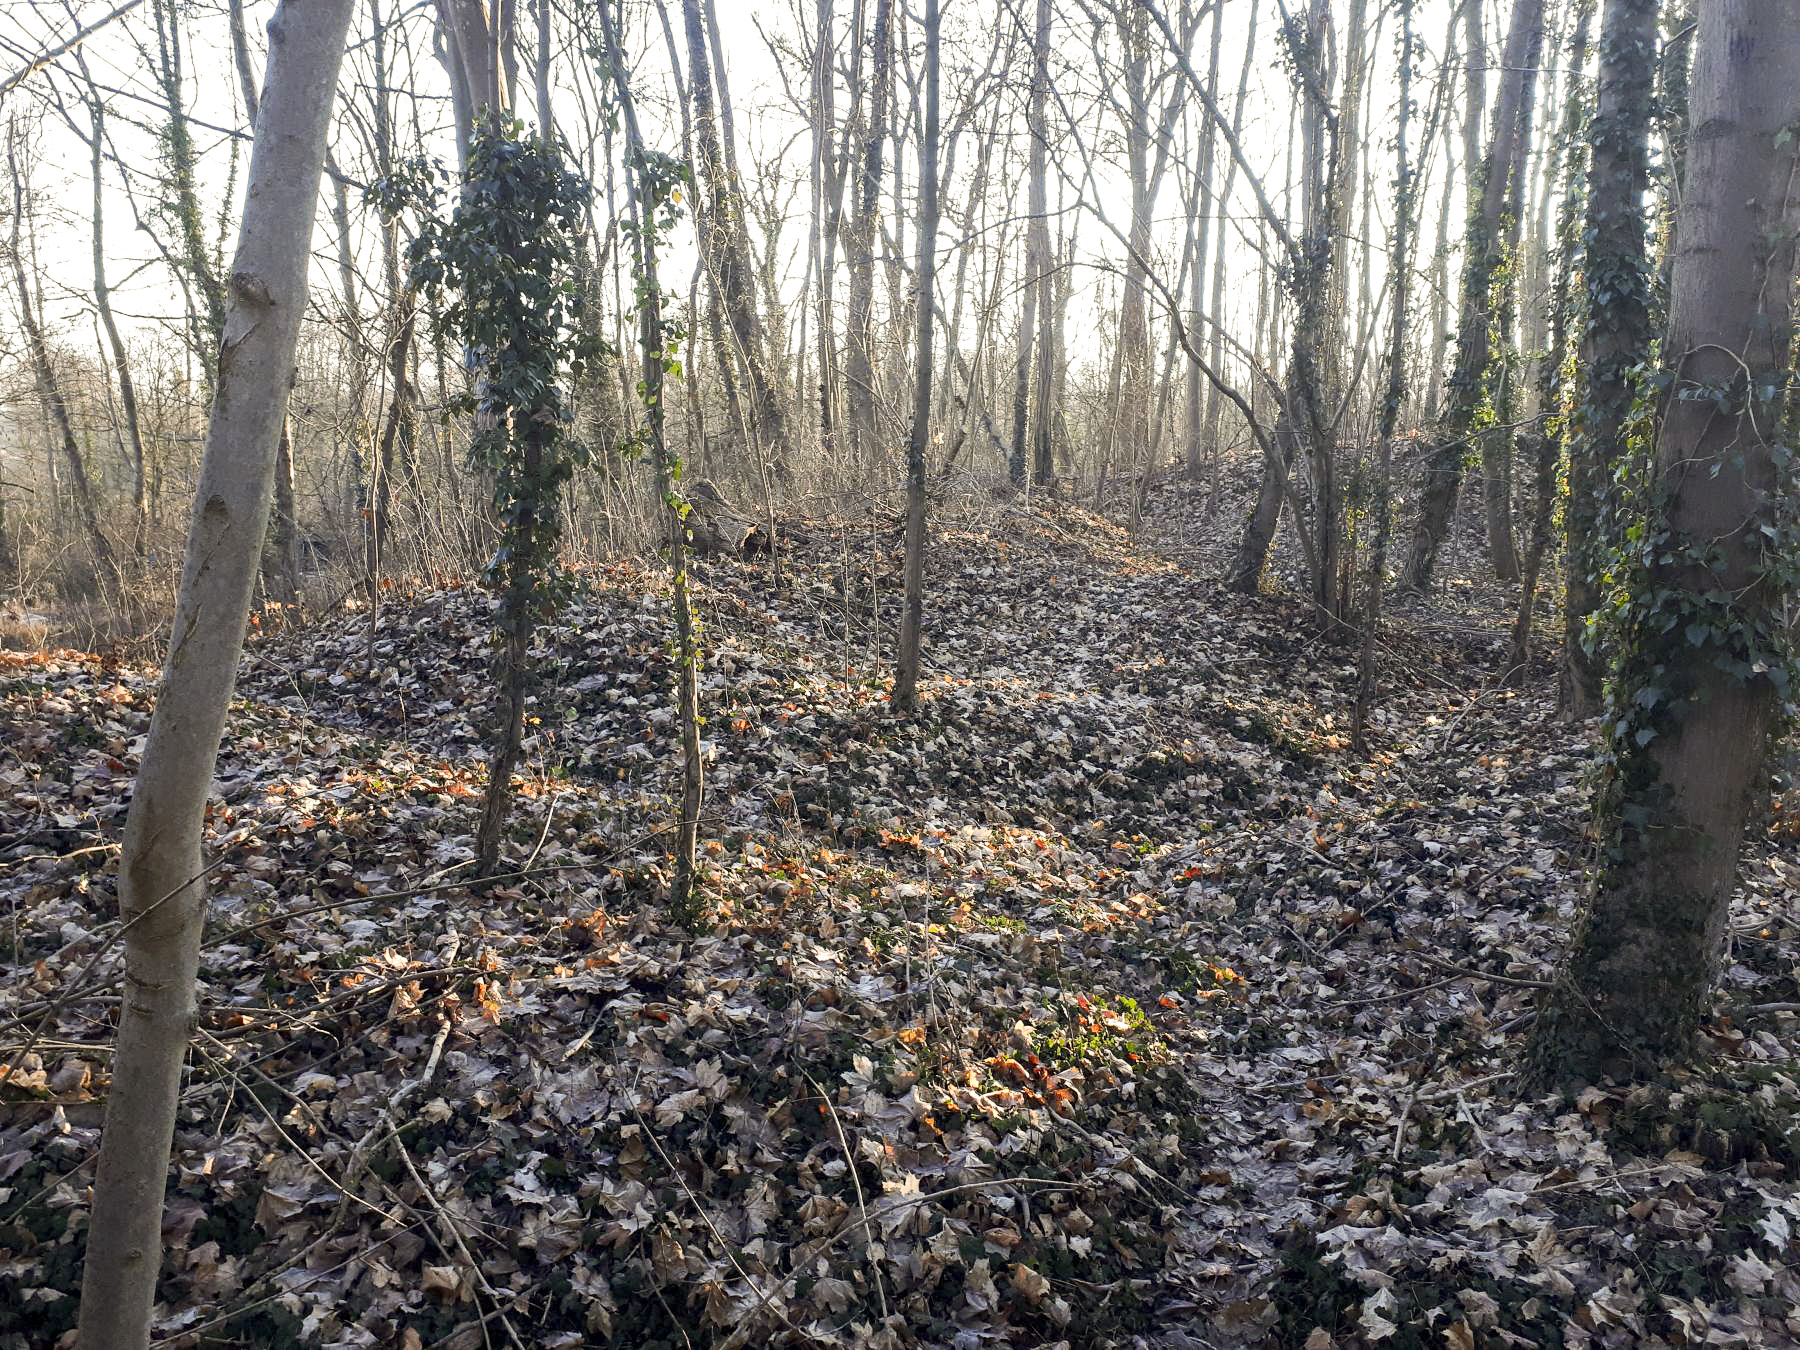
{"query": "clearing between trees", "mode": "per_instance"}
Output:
(1108, 1001)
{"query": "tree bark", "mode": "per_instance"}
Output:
(1193, 413)
(1393, 394)
(1705, 636)
(1492, 188)
(1616, 340)
(1038, 252)
(912, 614)
(1568, 153)
(50, 388)
(726, 247)
(859, 241)
(161, 895)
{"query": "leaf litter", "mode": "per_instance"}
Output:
(1110, 1002)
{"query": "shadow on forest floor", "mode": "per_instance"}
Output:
(1109, 1002)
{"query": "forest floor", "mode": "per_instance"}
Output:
(1111, 1002)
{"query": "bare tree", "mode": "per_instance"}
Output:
(162, 895)
(725, 241)
(912, 615)
(49, 386)
(860, 235)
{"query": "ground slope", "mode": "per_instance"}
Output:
(1111, 1001)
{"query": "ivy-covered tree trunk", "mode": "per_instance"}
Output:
(1491, 188)
(652, 191)
(1704, 646)
(1617, 336)
(1393, 394)
(1545, 440)
(162, 897)
(519, 202)
(1307, 424)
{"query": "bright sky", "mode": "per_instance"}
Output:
(771, 133)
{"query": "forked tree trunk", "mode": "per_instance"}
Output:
(1617, 334)
(912, 614)
(161, 896)
(1697, 691)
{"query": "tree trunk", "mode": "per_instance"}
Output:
(859, 241)
(1380, 505)
(828, 171)
(725, 246)
(912, 614)
(180, 157)
(1491, 189)
(161, 896)
(1193, 413)
(645, 203)
(1042, 262)
(1214, 399)
(50, 388)
(1618, 331)
(1705, 630)
(1546, 447)
(128, 404)
(1129, 414)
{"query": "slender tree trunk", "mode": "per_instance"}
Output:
(183, 191)
(912, 615)
(1193, 413)
(50, 388)
(1214, 399)
(121, 358)
(726, 245)
(859, 241)
(1671, 104)
(1546, 446)
(1491, 189)
(828, 177)
(1706, 622)
(1497, 442)
(1616, 339)
(161, 896)
(1380, 506)
(1037, 236)
(1035, 304)
(654, 353)
(1440, 290)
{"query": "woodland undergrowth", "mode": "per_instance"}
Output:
(1111, 1001)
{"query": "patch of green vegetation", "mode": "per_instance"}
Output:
(231, 1223)
(1731, 1119)
(1101, 1032)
